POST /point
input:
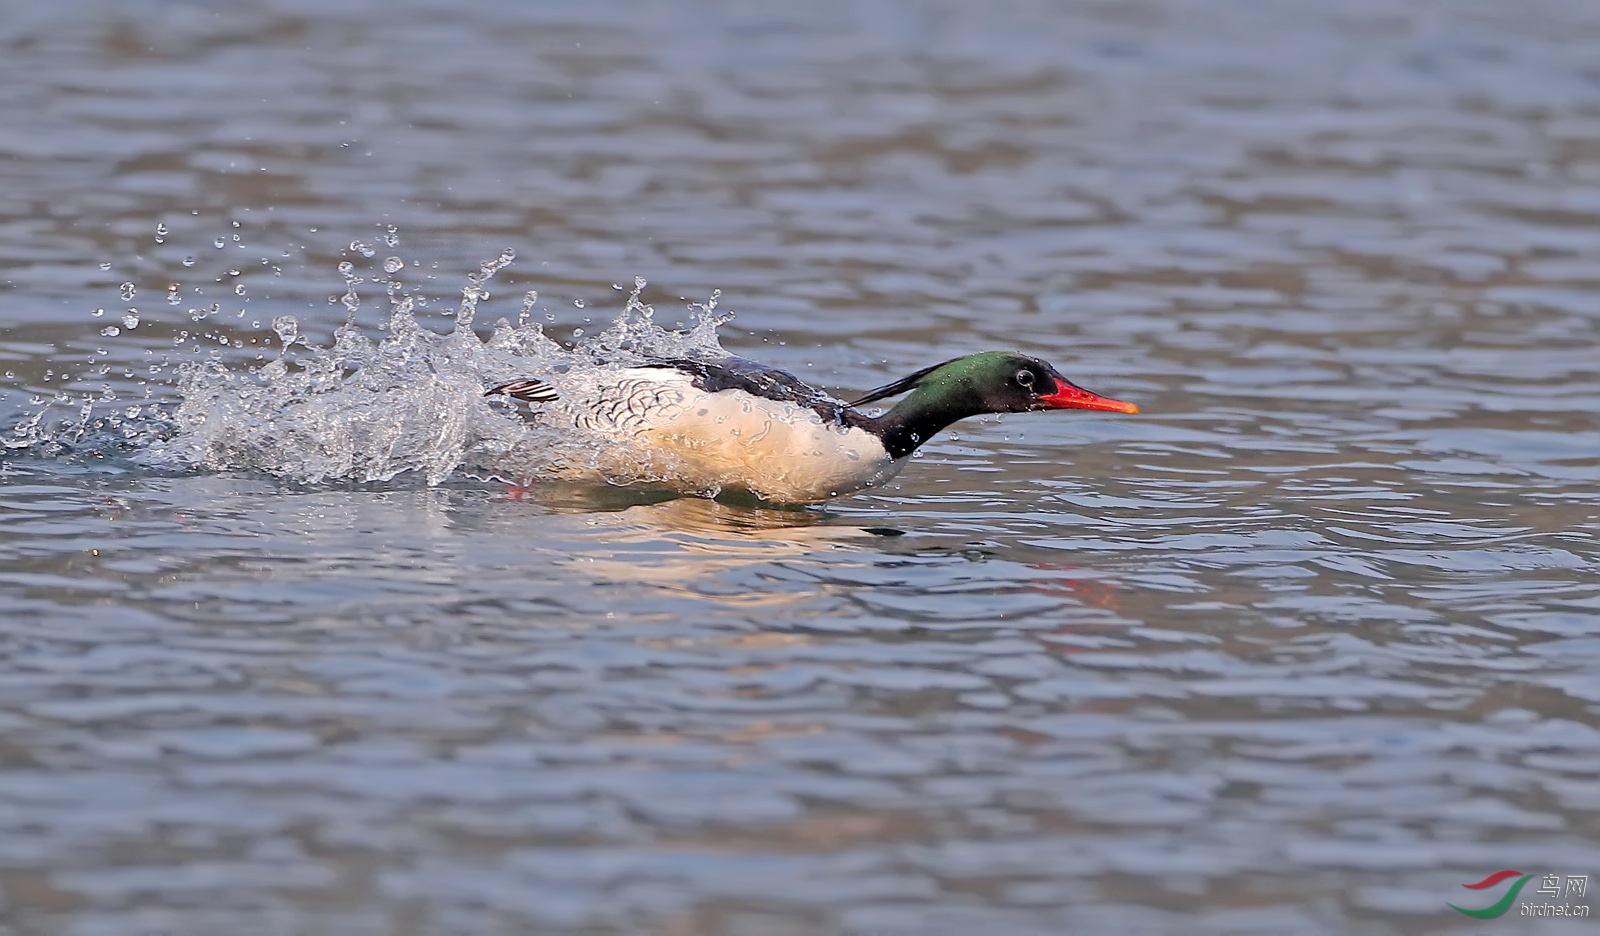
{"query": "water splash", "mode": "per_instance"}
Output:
(371, 409)
(377, 402)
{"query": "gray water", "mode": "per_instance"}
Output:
(1303, 648)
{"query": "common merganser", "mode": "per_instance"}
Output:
(735, 424)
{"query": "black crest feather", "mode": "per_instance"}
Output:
(900, 386)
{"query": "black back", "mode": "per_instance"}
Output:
(769, 383)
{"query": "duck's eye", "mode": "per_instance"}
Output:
(1025, 378)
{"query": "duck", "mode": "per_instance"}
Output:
(709, 426)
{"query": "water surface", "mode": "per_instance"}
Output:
(1303, 648)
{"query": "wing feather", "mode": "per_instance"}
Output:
(530, 390)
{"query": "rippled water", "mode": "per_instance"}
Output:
(1303, 648)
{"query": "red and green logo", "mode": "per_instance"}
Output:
(1499, 907)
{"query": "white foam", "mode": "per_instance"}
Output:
(367, 408)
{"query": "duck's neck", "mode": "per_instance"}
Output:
(915, 419)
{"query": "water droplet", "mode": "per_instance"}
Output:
(220, 243)
(579, 303)
(577, 333)
(188, 261)
(288, 329)
(106, 265)
(130, 318)
(238, 290)
(549, 316)
(391, 237)
(639, 282)
(237, 224)
(161, 229)
(362, 249)
(393, 265)
(99, 312)
(127, 291)
(172, 294)
(111, 331)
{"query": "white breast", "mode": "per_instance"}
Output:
(669, 430)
